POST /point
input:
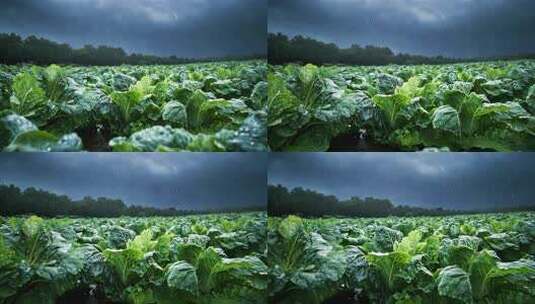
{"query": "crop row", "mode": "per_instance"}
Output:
(476, 106)
(194, 107)
(193, 259)
(247, 258)
(454, 259)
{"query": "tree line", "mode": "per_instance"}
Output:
(17, 201)
(309, 203)
(301, 49)
(14, 50)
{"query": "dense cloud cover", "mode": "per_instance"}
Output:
(448, 180)
(186, 28)
(180, 180)
(455, 28)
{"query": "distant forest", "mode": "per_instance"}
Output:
(16, 201)
(301, 49)
(309, 203)
(14, 49)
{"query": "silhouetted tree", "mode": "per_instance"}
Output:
(309, 203)
(300, 49)
(14, 201)
(14, 50)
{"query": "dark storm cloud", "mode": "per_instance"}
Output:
(459, 28)
(186, 28)
(449, 180)
(188, 180)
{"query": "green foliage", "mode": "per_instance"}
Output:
(306, 115)
(41, 141)
(126, 101)
(27, 94)
(391, 105)
(304, 267)
(402, 259)
(37, 256)
(134, 260)
(182, 276)
(459, 107)
(175, 114)
(54, 80)
(454, 283)
(107, 106)
(447, 118)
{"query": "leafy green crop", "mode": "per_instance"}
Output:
(454, 259)
(458, 107)
(197, 259)
(109, 108)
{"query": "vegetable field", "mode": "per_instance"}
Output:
(211, 107)
(486, 106)
(454, 259)
(191, 259)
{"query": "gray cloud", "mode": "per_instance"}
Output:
(450, 180)
(181, 180)
(460, 28)
(188, 28)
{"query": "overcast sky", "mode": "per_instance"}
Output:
(459, 28)
(180, 180)
(448, 180)
(186, 28)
